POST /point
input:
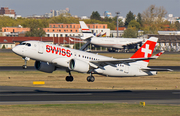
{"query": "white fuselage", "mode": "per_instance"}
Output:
(114, 42)
(41, 51)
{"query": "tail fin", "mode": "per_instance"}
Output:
(85, 30)
(146, 50)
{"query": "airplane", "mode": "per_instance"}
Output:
(117, 43)
(48, 57)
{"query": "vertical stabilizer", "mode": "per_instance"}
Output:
(85, 30)
(146, 50)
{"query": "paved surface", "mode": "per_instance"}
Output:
(36, 95)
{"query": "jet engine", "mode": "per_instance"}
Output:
(44, 67)
(78, 65)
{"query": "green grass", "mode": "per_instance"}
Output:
(107, 109)
(161, 81)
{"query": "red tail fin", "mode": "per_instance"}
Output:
(146, 49)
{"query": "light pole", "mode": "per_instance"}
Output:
(117, 22)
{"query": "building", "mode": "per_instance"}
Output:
(65, 30)
(168, 42)
(54, 13)
(59, 30)
(5, 11)
(10, 42)
(6, 43)
(14, 31)
(108, 14)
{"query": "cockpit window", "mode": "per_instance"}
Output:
(22, 43)
(28, 44)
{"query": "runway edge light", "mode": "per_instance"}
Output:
(38, 82)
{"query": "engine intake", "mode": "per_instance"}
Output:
(44, 67)
(78, 65)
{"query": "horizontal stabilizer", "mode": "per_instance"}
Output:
(159, 54)
(155, 69)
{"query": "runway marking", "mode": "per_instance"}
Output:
(38, 82)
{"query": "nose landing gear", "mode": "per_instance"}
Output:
(25, 61)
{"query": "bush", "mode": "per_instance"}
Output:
(3, 47)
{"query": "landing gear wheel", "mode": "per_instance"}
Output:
(90, 78)
(69, 78)
(24, 66)
(25, 61)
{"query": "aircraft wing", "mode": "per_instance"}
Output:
(113, 62)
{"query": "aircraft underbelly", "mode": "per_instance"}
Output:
(125, 71)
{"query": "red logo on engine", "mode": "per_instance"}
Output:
(57, 50)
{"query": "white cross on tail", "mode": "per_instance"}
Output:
(146, 51)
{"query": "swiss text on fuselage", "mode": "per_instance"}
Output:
(57, 50)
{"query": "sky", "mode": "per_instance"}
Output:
(86, 7)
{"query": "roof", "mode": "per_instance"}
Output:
(6, 40)
(60, 40)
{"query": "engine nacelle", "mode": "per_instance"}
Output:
(78, 65)
(44, 67)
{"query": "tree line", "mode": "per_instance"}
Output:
(150, 21)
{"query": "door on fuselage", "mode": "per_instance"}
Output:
(40, 47)
(126, 69)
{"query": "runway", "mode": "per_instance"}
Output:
(37, 95)
(31, 68)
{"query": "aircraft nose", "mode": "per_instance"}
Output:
(15, 49)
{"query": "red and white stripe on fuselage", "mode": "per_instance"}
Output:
(147, 49)
(86, 30)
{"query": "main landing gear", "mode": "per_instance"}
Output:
(90, 78)
(70, 77)
(25, 61)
